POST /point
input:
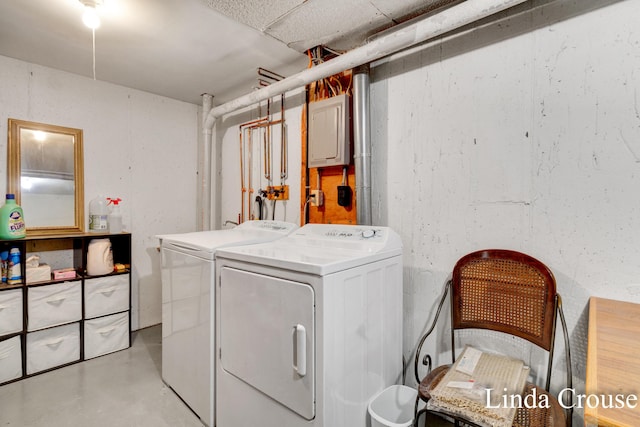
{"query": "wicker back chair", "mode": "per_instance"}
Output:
(509, 292)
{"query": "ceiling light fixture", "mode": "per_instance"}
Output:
(92, 20)
(90, 17)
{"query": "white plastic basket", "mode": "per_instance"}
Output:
(393, 407)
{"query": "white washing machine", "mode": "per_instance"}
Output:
(309, 327)
(188, 277)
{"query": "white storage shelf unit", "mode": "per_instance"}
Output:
(52, 323)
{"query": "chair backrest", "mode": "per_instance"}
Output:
(505, 291)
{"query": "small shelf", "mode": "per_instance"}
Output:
(69, 236)
(54, 281)
(14, 286)
(105, 302)
(115, 273)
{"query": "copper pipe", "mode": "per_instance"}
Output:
(267, 155)
(246, 150)
(261, 119)
(250, 173)
(265, 124)
(242, 187)
(284, 173)
(267, 138)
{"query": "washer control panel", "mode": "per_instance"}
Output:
(353, 233)
(356, 237)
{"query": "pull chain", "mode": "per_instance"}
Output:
(93, 32)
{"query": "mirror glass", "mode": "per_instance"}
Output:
(45, 172)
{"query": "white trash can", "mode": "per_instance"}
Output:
(393, 407)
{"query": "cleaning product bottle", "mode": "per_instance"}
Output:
(98, 215)
(4, 258)
(12, 220)
(14, 274)
(115, 217)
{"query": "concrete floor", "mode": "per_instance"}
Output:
(122, 389)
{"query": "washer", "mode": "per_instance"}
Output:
(188, 277)
(309, 327)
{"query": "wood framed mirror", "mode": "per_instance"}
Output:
(46, 173)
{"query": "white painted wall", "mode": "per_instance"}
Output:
(137, 146)
(524, 134)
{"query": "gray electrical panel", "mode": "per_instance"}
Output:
(329, 132)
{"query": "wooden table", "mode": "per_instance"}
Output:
(613, 361)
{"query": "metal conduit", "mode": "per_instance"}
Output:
(431, 26)
(362, 144)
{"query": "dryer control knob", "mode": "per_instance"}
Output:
(367, 234)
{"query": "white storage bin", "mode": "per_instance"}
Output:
(393, 407)
(106, 334)
(53, 347)
(106, 295)
(10, 359)
(10, 311)
(53, 305)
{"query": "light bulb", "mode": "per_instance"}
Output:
(90, 17)
(26, 183)
(39, 135)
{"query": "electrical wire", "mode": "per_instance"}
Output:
(326, 87)
(258, 206)
(348, 91)
(335, 52)
(310, 64)
(306, 207)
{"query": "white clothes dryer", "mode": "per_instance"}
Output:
(188, 277)
(309, 327)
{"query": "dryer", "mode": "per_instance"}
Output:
(188, 277)
(309, 327)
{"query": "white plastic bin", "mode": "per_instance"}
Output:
(393, 407)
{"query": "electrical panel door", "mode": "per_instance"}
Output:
(329, 132)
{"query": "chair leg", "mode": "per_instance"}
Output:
(415, 412)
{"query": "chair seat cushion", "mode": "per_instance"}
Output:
(481, 387)
(551, 416)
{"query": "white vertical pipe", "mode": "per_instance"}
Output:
(431, 26)
(362, 144)
(203, 222)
